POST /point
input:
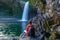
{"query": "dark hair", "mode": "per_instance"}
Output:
(30, 22)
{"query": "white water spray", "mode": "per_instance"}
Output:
(25, 15)
(25, 12)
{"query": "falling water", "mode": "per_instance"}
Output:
(25, 15)
(23, 20)
(25, 12)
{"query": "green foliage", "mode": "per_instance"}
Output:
(25, 0)
(5, 9)
(37, 2)
(41, 4)
(17, 12)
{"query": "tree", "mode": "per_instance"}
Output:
(40, 4)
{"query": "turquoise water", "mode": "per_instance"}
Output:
(11, 29)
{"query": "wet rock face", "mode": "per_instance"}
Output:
(58, 30)
(37, 24)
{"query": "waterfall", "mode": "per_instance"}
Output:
(25, 16)
(25, 12)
